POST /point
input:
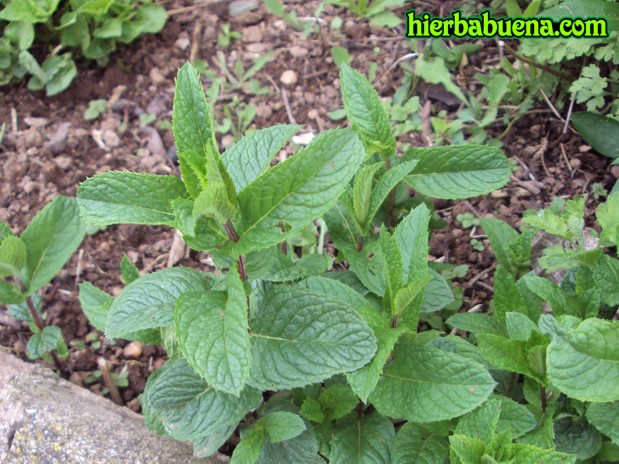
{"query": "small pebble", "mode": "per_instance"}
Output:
(110, 138)
(238, 7)
(156, 77)
(584, 148)
(133, 350)
(312, 114)
(614, 170)
(182, 43)
(575, 163)
(30, 187)
(288, 77)
(58, 142)
(63, 162)
(36, 122)
(227, 140)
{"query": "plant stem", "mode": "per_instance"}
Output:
(542, 394)
(360, 244)
(231, 231)
(242, 270)
(109, 381)
(531, 62)
(390, 200)
(36, 317)
(394, 321)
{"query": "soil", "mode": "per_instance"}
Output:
(49, 148)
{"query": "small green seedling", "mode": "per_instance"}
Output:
(30, 261)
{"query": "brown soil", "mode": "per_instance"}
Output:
(141, 78)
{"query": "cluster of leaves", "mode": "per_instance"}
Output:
(30, 261)
(377, 12)
(88, 28)
(597, 81)
(550, 341)
(311, 364)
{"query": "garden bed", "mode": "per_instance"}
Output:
(49, 148)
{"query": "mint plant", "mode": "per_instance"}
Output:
(90, 28)
(552, 340)
(310, 364)
(30, 261)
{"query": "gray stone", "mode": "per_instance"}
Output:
(45, 419)
(58, 142)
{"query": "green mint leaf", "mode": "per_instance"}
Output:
(21, 312)
(606, 275)
(51, 238)
(604, 417)
(609, 452)
(457, 345)
(482, 422)
(302, 449)
(512, 252)
(149, 301)
(329, 285)
(368, 265)
(414, 444)
(519, 326)
(128, 270)
(364, 380)
(285, 270)
(362, 194)
(176, 383)
(514, 417)
(549, 292)
(248, 449)
(43, 341)
(506, 354)
(212, 332)
(507, 294)
(438, 293)
(194, 411)
(96, 304)
(312, 410)
(10, 293)
(367, 439)
(281, 425)
(336, 401)
(407, 302)
(193, 171)
(477, 324)
(294, 193)
(458, 172)
(251, 156)
(13, 256)
(583, 362)
(129, 198)
(411, 235)
(193, 126)
(393, 266)
(599, 131)
(577, 438)
(424, 384)
(464, 449)
(152, 17)
(366, 112)
(5, 231)
(384, 186)
(528, 453)
(214, 202)
(301, 337)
